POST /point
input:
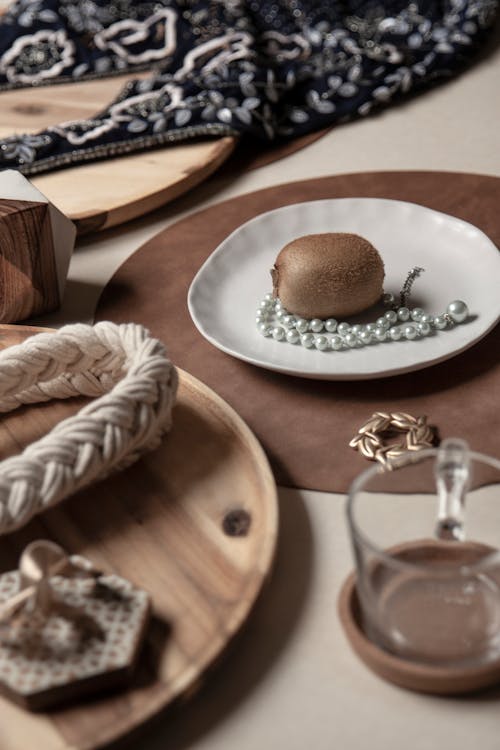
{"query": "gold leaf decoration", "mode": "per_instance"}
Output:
(371, 437)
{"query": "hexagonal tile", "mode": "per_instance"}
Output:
(44, 662)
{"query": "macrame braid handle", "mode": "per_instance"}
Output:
(135, 383)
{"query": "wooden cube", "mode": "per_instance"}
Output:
(36, 243)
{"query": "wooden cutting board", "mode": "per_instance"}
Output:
(194, 523)
(102, 194)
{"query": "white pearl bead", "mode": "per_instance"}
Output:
(307, 340)
(439, 322)
(331, 325)
(423, 328)
(316, 325)
(300, 330)
(321, 343)
(336, 343)
(403, 314)
(410, 333)
(301, 325)
(458, 311)
(351, 340)
(416, 313)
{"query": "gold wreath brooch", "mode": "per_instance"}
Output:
(370, 439)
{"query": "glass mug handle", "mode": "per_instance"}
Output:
(452, 472)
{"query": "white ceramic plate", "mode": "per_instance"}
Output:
(460, 262)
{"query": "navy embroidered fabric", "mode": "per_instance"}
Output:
(270, 68)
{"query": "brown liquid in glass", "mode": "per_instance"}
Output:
(441, 612)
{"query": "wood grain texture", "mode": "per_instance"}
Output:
(193, 523)
(103, 194)
(28, 278)
(106, 193)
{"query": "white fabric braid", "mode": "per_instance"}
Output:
(121, 361)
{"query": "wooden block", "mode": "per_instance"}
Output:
(27, 269)
(36, 242)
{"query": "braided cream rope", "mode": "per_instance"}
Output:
(121, 361)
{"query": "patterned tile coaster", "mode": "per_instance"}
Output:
(47, 661)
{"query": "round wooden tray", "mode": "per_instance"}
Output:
(102, 194)
(194, 523)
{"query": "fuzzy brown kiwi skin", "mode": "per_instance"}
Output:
(334, 274)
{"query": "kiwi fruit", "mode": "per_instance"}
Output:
(330, 275)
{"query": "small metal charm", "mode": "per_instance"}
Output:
(405, 292)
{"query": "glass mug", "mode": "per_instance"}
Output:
(426, 539)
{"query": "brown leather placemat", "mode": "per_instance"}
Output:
(305, 425)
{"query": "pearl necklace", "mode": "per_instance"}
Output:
(398, 323)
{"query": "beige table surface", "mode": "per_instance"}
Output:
(292, 682)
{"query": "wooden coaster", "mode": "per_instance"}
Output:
(422, 678)
(304, 425)
(194, 524)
